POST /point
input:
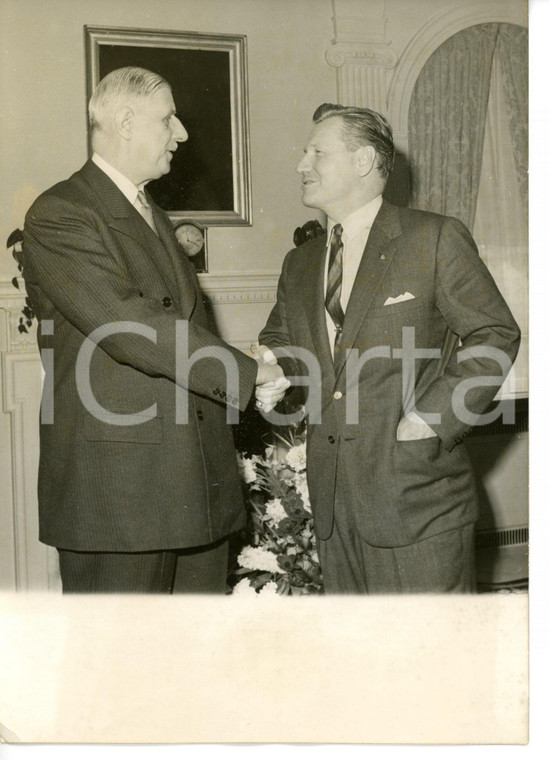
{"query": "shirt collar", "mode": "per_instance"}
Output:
(359, 220)
(124, 184)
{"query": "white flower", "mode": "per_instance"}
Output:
(268, 589)
(291, 551)
(287, 475)
(275, 511)
(244, 588)
(258, 558)
(303, 489)
(247, 468)
(295, 457)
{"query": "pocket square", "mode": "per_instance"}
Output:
(397, 299)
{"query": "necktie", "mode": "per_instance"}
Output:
(334, 280)
(142, 205)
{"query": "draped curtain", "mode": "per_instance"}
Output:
(501, 226)
(446, 123)
(469, 153)
(512, 51)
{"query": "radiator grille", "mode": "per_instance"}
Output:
(520, 425)
(488, 539)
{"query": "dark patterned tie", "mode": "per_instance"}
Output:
(142, 205)
(333, 287)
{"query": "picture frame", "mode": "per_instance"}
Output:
(210, 178)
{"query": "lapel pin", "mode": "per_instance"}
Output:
(382, 257)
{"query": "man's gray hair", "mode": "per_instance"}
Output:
(127, 84)
(362, 126)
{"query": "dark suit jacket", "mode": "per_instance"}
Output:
(403, 490)
(91, 259)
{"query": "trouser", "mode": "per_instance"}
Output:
(201, 570)
(439, 564)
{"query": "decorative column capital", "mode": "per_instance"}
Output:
(351, 54)
(361, 53)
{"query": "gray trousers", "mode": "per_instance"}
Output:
(440, 564)
(200, 570)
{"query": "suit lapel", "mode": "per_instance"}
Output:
(161, 249)
(377, 258)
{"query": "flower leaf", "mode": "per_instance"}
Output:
(15, 237)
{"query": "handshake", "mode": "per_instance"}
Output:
(271, 384)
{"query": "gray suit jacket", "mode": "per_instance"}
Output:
(404, 490)
(91, 259)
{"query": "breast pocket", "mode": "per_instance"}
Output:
(391, 310)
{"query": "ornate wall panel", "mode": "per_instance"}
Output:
(27, 565)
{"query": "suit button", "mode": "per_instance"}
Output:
(216, 391)
(200, 414)
(338, 395)
(331, 439)
(167, 302)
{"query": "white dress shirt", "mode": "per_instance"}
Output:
(124, 184)
(356, 229)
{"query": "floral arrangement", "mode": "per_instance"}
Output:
(281, 557)
(15, 242)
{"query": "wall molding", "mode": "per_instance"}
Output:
(35, 566)
(224, 287)
(13, 404)
(430, 37)
(230, 288)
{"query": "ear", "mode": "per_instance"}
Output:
(123, 122)
(366, 160)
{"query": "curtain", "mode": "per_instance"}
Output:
(501, 228)
(469, 154)
(446, 123)
(512, 51)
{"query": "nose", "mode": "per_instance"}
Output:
(180, 134)
(303, 165)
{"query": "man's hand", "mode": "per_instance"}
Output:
(412, 428)
(271, 384)
(269, 394)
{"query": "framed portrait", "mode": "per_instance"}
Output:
(209, 181)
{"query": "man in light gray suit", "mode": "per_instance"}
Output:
(382, 303)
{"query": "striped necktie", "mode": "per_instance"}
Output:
(334, 280)
(142, 205)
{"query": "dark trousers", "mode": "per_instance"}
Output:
(440, 564)
(199, 570)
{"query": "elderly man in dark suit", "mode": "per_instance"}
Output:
(137, 462)
(381, 304)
